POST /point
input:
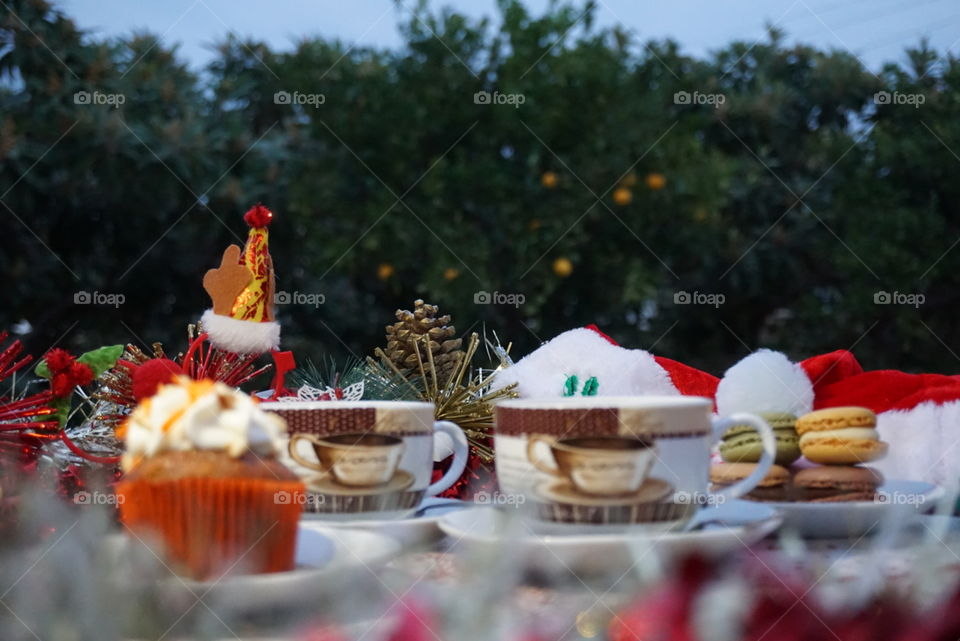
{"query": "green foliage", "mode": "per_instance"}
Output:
(379, 383)
(797, 198)
(101, 359)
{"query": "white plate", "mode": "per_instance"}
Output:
(855, 519)
(419, 528)
(321, 554)
(731, 526)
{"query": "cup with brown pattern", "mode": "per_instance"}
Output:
(596, 465)
(572, 458)
(358, 460)
(369, 459)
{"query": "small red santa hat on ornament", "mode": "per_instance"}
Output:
(242, 319)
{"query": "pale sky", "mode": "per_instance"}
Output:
(874, 30)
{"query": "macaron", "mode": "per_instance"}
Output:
(837, 483)
(775, 486)
(840, 436)
(741, 443)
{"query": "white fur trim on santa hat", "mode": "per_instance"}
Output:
(584, 353)
(765, 381)
(924, 443)
(239, 336)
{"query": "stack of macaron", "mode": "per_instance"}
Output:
(741, 449)
(741, 443)
(776, 486)
(838, 439)
(840, 436)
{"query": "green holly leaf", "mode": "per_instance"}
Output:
(42, 370)
(63, 407)
(102, 359)
(570, 385)
(590, 387)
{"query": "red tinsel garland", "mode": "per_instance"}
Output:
(24, 422)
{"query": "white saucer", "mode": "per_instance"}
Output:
(322, 554)
(408, 529)
(322, 484)
(855, 519)
(728, 527)
(562, 491)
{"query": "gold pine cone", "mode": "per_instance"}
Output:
(421, 331)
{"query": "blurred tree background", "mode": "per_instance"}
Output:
(776, 180)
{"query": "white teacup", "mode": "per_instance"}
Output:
(682, 429)
(367, 456)
(354, 460)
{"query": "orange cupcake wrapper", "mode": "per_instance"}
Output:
(209, 527)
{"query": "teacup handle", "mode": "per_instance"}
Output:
(460, 451)
(768, 441)
(292, 450)
(538, 461)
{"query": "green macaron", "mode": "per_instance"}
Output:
(741, 443)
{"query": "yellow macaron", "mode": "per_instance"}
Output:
(840, 436)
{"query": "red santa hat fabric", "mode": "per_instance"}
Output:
(917, 414)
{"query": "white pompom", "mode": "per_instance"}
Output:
(765, 381)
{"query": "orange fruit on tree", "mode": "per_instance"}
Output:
(656, 181)
(549, 179)
(562, 267)
(451, 273)
(385, 271)
(622, 196)
(534, 224)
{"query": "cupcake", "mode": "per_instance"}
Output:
(202, 477)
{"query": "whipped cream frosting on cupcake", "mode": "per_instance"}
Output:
(189, 415)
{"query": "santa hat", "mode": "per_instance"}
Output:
(918, 414)
(587, 362)
(242, 318)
